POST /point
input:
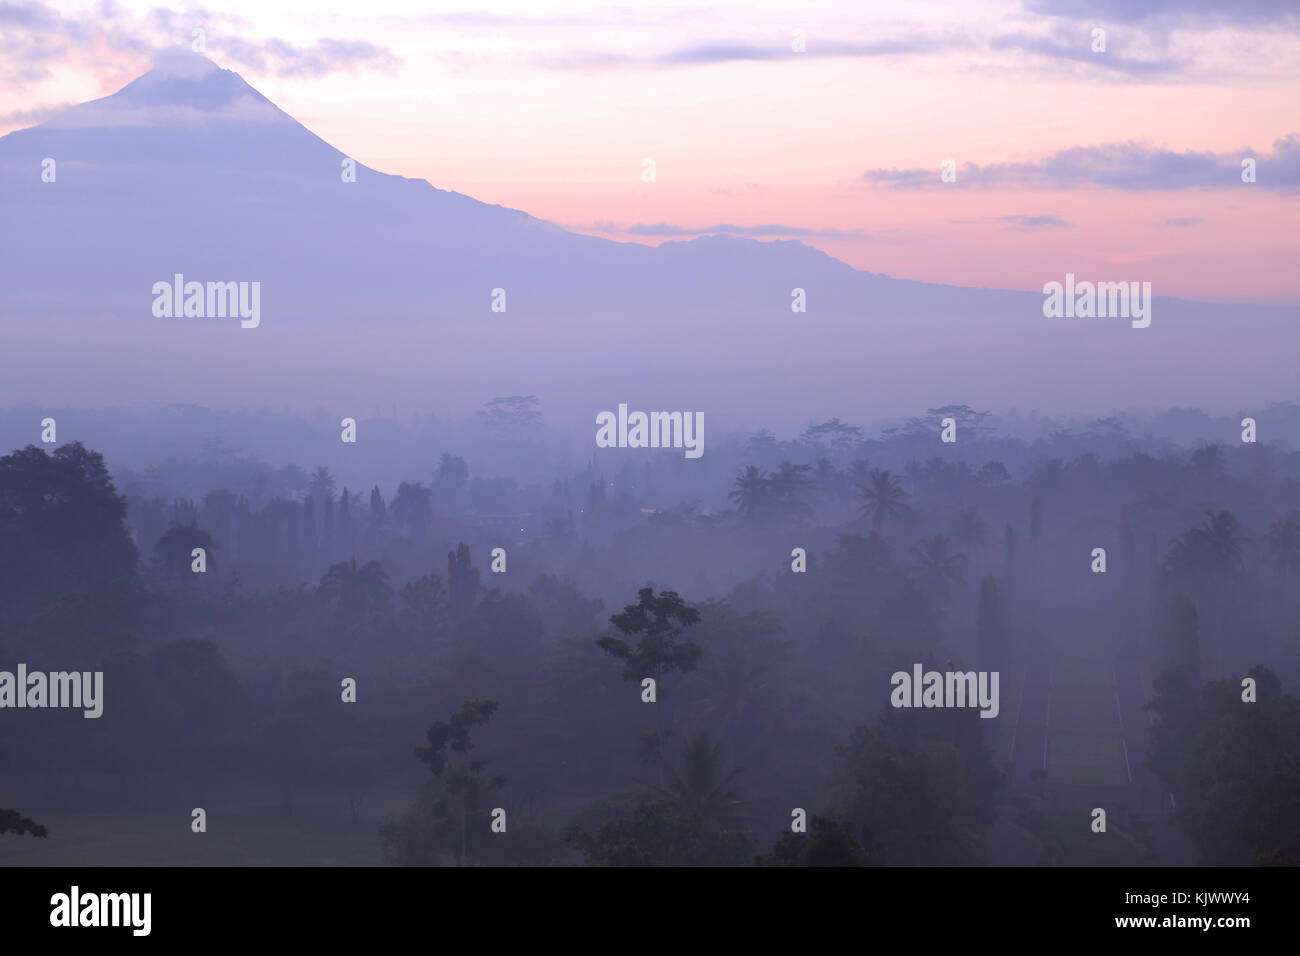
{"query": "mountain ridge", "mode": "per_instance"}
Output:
(189, 170)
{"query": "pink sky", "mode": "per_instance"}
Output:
(552, 108)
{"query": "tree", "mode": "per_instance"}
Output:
(462, 581)
(924, 783)
(355, 589)
(827, 843)
(218, 512)
(321, 486)
(993, 473)
(446, 755)
(173, 552)
(1233, 767)
(511, 413)
(1205, 564)
(450, 481)
(883, 498)
(656, 832)
(657, 623)
(1207, 461)
(751, 493)
(11, 821)
(1179, 643)
(62, 526)
(310, 538)
(788, 487)
(412, 508)
(972, 530)
(1284, 544)
(378, 513)
(424, 606)
(737, 686)
(345, 519)
(970, 423)
(937, 568)
(990, 626)
(1208, 553)
(701, 787)
(832, 433)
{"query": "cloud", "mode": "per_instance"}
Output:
(1081, 52)
(773, 229)
(1116, 166)
(1202, 14)
(35, 39)
(32, 116)
(1183, 222)
(1026, 223)
(475, 18)
(325, 56)
(702, 54)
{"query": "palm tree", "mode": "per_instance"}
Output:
(700, 787)
(751, 492)
(354, 588)
(883, 498)
(787, 487)
(1209, 553)
(937, 568)
(1223, 541)
(828, 482)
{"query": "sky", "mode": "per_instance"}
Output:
(825, 122)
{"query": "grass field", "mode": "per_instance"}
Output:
(1078, 760)
(1080, 710)
(244, 828)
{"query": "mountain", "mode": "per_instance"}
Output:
(382, 287)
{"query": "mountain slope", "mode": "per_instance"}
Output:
(190, 170)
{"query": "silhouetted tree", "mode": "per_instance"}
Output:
(1233, 766)
(11, 821)
(378, 513)
(937, 568)
(827, 843)
(173, 552)
(751, 493)
(462, 581)
(883, 498)
(445, 754)
(990, 626)
(657, 623)
(62, 528)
